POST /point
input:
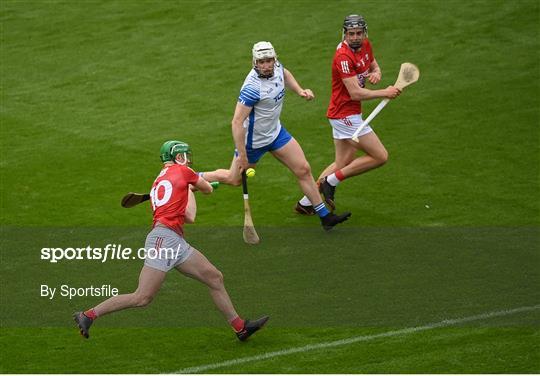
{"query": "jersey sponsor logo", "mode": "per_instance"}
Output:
(362, 79)
(279, 96)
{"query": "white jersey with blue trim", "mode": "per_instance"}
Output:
(265, 96)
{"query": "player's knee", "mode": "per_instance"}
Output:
(142, 300)
(304, 170)
(217, 278)
(214, 278)
(379, 158)
(233, 179)
(382, 158)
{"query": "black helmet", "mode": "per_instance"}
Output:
(353, 21)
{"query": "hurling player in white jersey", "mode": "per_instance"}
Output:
(256, 129)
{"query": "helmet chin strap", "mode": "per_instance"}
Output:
(263, 75)
(350, 45)
(260, 74)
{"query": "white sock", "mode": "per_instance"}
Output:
(305, 201)
(332, 180)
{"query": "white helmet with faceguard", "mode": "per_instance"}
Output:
(263, 50)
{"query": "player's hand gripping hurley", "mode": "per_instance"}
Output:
(408, 75)
(250, 235)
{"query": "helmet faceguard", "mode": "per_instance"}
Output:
(355, 21)
(170, 149)
(263, 50)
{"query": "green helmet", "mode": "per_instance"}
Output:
(170, 149)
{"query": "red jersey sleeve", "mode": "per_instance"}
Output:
(344, 66)
(190, 176)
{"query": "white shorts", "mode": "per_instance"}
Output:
(165, 249)
(345, 128)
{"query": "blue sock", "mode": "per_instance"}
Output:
(321, 210)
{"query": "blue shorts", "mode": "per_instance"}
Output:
(281, 140)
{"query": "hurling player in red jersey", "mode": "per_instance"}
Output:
(173, 204)
(353, 65)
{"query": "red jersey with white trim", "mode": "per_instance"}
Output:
(169, 196)
(348, 63)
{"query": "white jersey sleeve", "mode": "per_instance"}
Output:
(250, 93)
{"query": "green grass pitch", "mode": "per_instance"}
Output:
(447, 230)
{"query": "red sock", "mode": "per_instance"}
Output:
(339, 175)
(91, 314)
(237, 324)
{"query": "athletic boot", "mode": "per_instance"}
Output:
(330, 220)
(83, 322)
(251, 327)
(327, 191)
(304, 209)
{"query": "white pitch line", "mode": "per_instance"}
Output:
(348, 341)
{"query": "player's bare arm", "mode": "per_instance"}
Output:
(191, 208)
(375, 74)
(358, 93)
(291, 83)
(203, 186)
(239, 134)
